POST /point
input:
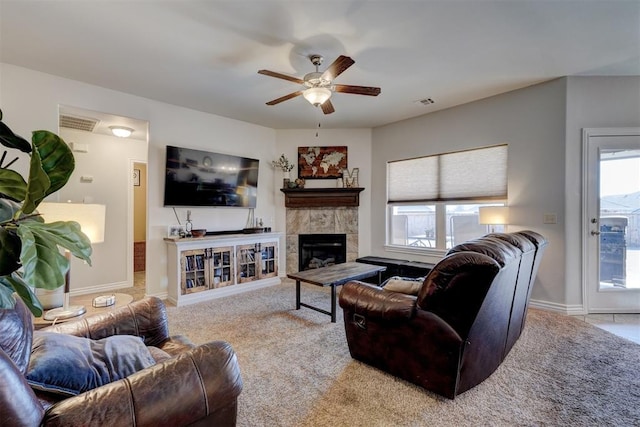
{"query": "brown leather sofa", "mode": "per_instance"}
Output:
(187, 385)
(458, 327)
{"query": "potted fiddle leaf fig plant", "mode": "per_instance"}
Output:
(30, 254)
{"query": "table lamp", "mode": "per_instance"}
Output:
(493, 215)
(91, 218)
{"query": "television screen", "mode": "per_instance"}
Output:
(203, 178)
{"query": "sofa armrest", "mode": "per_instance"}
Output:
(19, 406)
(145, 318)
(180, 391)
(374, 302)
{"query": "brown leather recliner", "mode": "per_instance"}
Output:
(532, 246)
(463, 321)
(189, 385)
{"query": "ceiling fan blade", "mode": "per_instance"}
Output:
(284, 98)
(337, 68)
(281, 76)
(358, 90)
(327, 107)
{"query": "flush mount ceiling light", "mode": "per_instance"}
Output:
(316, 95)
(121, 131)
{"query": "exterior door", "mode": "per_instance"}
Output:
(611, 220)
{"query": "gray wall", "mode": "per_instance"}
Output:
(592, 102)
(532, 122)
(543, 126)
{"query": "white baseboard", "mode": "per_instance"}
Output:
(558, 308)
(107, 287)
(162, 295)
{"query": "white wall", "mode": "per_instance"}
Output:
(358, 143)
(30, 100)
(107, 161)
(592, 102)
(532, 122)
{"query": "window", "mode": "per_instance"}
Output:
(433, 201)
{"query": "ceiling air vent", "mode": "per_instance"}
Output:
(79, 123)
(426, 101)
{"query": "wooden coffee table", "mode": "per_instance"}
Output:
(334, 276)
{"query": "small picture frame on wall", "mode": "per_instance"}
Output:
(321, 162)
(136, 177)
(176, 231)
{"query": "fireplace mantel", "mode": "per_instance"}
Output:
(321, 197)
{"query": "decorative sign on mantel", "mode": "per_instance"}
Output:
(321, 162)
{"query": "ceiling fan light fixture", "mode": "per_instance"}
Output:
(317, 95)
(121, 131)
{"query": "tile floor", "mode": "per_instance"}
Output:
(625, 325)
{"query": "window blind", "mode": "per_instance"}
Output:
(464, 175)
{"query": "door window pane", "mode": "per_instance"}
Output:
(619, 219)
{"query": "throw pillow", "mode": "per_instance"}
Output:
(404, 285)
(70, 365)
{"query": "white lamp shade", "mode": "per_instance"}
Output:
(91, 217)
(493, 215)
(316, 95)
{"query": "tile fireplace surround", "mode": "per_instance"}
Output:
(320, 221)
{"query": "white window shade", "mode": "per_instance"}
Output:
(465, 175)
(413, 179)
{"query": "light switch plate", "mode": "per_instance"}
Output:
(78, 147)
(550, 218)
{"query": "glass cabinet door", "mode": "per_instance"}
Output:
(246, 260)
(221, 267)
(194, 274)
(269, 260)
(257, 261)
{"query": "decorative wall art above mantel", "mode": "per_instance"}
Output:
(321, 162)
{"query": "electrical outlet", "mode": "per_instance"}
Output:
(550, 218)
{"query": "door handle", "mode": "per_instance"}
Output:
(595, 233)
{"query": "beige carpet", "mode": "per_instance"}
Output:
(297, 371)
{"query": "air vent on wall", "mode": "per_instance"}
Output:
(79, 123)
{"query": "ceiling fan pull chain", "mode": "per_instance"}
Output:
(318, 130)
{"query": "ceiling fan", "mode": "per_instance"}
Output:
(318, 86)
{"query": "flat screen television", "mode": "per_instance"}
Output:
(204, 178)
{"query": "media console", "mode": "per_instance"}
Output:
(214, 266)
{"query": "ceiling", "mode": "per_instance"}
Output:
(205, 55)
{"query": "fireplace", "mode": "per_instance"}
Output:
(321, 250)
(317, 221)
